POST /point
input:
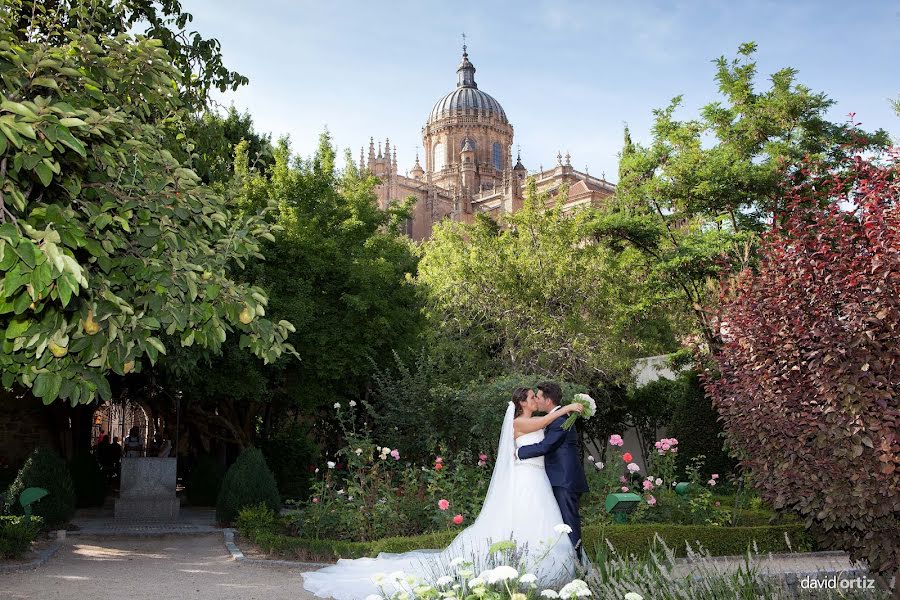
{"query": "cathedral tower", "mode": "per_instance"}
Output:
(467, 123)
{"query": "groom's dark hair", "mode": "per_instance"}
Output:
(551, 390)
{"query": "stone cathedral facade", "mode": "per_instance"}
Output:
(469, 169)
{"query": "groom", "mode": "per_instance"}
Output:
(561, 460)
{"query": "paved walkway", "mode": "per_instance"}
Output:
(152, 568)
(101, 521)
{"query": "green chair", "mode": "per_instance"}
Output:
(28, 497)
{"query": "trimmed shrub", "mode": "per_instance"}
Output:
(695, 423)
(205, 481)
(248, 482)
(45, 469)
(88, 480)
(16, 535)
(264, 528)
(718, 541)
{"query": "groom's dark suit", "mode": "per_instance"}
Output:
(563, 465)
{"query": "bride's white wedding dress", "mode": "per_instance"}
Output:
(519, 506)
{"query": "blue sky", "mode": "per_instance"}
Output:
(569, 74)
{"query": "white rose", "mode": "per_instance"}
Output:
(590, 458)
(562, 528)
(352, 403)
(657, 482)
(633, 468)
(330, 464)
(337, 405)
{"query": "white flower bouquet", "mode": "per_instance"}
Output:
(590, 408)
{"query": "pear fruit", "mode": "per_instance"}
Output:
(57, 350)
(90, 325)
(246, 317)
(128, 367)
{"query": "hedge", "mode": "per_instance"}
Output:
(626, 539)
(718, 541)
(16, 535)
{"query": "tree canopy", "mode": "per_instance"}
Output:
(111, 250)
(695, 200)
(535, 291)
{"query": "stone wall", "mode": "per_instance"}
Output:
(25, 424)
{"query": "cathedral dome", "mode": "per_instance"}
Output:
(467, 99)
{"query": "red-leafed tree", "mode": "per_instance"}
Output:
(808, 381)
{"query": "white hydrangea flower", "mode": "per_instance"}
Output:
(502, 573)
(549, 594)
(528, 578)
(633, 596)
(576, 588)
(562, 528)
(443, 580)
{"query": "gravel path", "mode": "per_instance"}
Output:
(152, 568)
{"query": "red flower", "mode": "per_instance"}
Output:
(443, 504)
(438, 466)
(627, 457)
(458, 519)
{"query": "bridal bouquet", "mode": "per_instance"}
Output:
(590, 407)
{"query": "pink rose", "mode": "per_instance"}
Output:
(651, 501)
(443, 504)
(482, 457)
(623, 479)
(315, 500)
(438, 460)
(648, 485)
(711, 482)
(666, 446)
(458, 519)
(616, 440)
(396, 454)
(715, 475)
(624, 488)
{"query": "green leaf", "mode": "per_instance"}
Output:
(156, 344)
(65, 137)
(64, 289)
(45, 82)
(44, 173)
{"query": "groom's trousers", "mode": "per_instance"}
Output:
(568, 507)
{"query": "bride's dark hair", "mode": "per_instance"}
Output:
(520, 395)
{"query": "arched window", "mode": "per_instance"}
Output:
(495, 157)
(438, 156)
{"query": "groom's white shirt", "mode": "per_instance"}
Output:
(549, 413)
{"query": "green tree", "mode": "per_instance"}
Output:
(339, 269)
(540, 294)
(107, 243)
(208, 141)
(696, 199)
(198, 59)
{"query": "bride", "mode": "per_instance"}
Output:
(519, 506)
